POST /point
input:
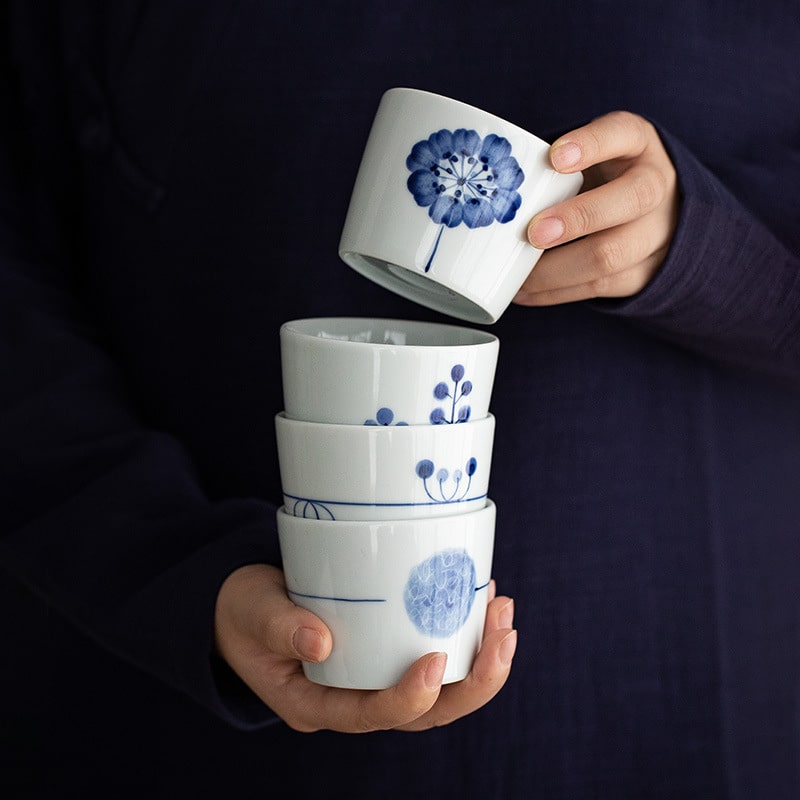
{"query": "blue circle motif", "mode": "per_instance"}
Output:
(439, 593)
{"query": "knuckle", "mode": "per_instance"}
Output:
(298, 720)
(380, 712)
(633, 128)
(438, 721)
(583, 219)
(367, 720)
(608, 257)
(623, 117)
(638, 125)
(647, 131)
(646, 190)
(300, 726)
(602, 286)
(623, 120)
(661, 184)
(593, 144)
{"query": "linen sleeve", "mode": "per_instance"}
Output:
(729, 288)
(101, 516)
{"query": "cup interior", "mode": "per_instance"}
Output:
(373, 332)
(367, 371)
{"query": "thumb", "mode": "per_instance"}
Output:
(255, 618)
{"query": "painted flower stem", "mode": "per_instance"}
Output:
(435, 248)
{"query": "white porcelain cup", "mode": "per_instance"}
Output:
(348, 472)
(442, 201)
(361, 371)
(391, 591)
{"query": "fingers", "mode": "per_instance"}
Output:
(488, 676)
(619, 134)
(264, 637)
(255, 615)
(418, 701)
(489, 672)
(499, 615)
(612, 263)
(609, 240)
(641, 190)
(363, 711)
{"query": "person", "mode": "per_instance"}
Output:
(174, 181)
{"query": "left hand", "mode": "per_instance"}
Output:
(264, 636)
(615, 234)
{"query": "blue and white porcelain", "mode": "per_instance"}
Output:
(386, 372)
(378, 472)
(441, 204)
(391, 591)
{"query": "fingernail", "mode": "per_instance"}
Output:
(308, 644)
(435, 671)
(545, 231)
(507, 648)
(564, 156)
(506, 616)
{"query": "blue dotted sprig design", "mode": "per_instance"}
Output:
(458, 411)
(442, 486)
(384, 417)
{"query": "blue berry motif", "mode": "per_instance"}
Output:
(456, 490)
(439, 593)
(460, 177)
(442, 391)
(385, 417)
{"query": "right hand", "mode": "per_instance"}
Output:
(264, 636)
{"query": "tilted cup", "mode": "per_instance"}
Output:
(441, 204)
(391, 591)
(373, 472)
(364, 371)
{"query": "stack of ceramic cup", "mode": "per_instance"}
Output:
(386, 530)
(386, 439)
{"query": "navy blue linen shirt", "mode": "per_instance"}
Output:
(174, 178)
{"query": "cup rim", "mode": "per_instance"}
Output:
(468, 107)
(301, 328)
(425, 429)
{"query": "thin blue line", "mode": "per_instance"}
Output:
(354, 599)
(338, 599)
(435, 248)
(387, 505)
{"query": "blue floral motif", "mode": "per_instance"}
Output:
(385, 417)
(460, 177)
(439, 593)
(442, 391)
(425, 469)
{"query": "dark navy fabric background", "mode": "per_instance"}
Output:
(174, 181)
